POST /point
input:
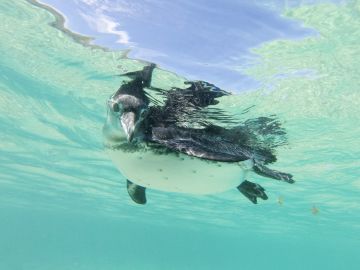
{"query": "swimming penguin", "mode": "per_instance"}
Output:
(173, 147)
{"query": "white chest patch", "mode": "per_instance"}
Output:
(178, 173)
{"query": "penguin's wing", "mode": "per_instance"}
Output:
(199, 143)
(213, 143)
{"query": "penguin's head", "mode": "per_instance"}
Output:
(126, 112)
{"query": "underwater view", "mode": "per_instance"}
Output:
(179, 134)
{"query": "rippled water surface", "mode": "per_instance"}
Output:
(63, 204)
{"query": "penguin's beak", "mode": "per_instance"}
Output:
(128, 120)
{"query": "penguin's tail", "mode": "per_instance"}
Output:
(267, 172)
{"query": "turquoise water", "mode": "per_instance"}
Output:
(63, 205)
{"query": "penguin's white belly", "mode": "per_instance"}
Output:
(178, 173)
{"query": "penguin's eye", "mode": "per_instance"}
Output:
(116, 107)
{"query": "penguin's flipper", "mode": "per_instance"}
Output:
(252, 191)
(136, 192)
(265, 171)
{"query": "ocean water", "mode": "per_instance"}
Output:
(64, 205)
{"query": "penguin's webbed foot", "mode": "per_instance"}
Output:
(136, 192)
(252, 191)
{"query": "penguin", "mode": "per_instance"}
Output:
(173, 146)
